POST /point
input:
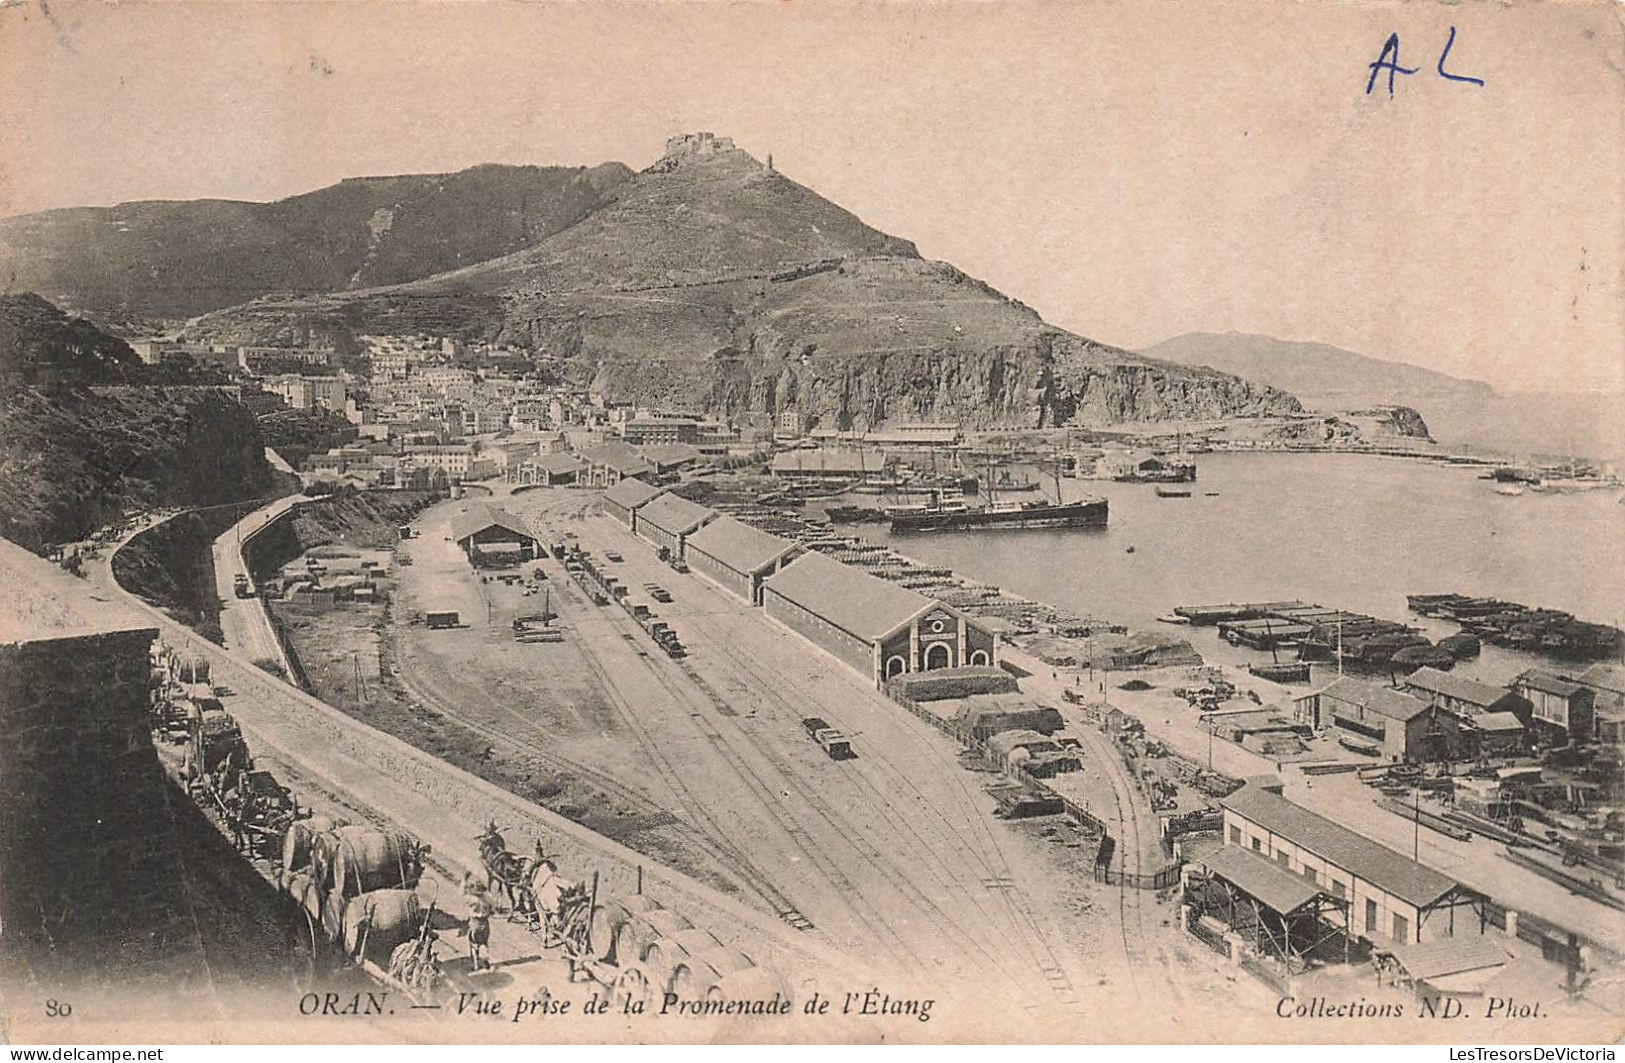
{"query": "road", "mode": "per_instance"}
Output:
(245, 627)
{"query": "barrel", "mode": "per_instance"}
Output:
(663, 954)
(369, 859)
(333, 916)
(297, 841)
(384, 919)
(300, 887)
(753, 983)
(641, 931)
(693, 975)
(608, 919)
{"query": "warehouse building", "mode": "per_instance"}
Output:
(822, 466)
(875, 626)
(1564, 711)
(623, 499)
(548, 470)
(738, 557)
(492, 537)
(610, 464)
(1399, 725)
(668, 520)
(1392, 898)
(1465, 697)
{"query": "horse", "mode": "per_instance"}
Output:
(510, 872)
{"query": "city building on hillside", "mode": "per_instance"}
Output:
(156, 352)
(454, 459)
(788, 424)
(305, 392)
(645, 431)
(264, 361)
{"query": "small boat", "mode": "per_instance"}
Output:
(1172, 492)
(1282, 671)
(1172, 619)
(1210, 494)
(1354, 745)
(1130, 550)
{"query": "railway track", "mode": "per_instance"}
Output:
(708, 836)
(905, 881)
(978, 839)
(999, 904)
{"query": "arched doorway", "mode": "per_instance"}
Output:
(895, 666)
(979, 657)
(937, 655)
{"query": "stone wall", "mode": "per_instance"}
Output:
(90, 891)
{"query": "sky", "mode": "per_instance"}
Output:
(1132, 171)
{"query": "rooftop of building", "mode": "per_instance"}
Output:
(1456, 686)
(481, 516)
(740, 546)
(1372, 861)
(1547, 683)
(674, 514)
(854, 601)
(1374, 697)
(630, 493)
(1277, 889)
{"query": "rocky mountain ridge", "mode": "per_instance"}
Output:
(710, 281)
(136, 262)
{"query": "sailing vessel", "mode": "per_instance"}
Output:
(948, 514)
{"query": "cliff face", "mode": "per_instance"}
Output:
(71, 461)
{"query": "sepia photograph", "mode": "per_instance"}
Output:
(864, 522)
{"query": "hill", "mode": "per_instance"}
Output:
(712, 282)
(39, 344)
(153, 260)
(75, 459)
(1457, 411)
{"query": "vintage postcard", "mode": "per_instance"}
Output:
(852, 522)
